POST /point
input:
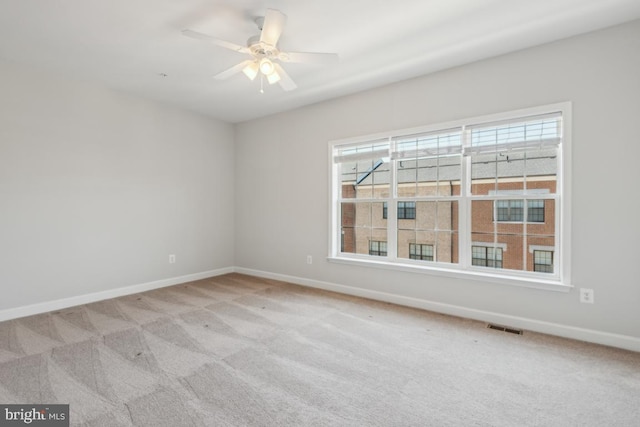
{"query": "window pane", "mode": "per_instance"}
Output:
(513, 249)
(508, 238)
(502, 210)
(428, 176)
(406, 210)
(543, 261)
(513, 210)
(482, 216)
(427, 251)
(373, 182)
(535, 212)
(428, 163)
(421, 252)
(436, 225)
(407, 178)
(516, 171)
(517, 133)
(542, 236)
(516, 210)
(364, 170)
(377, 248)
(479, 255)
(412, 249)
(483, 173)
(486, 256)
(361, 223)
(447, 246)
(494, 257)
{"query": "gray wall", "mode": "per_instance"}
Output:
(282, 177)
(97, 189)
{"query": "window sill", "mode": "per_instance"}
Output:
(470, 274)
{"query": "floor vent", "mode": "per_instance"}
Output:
(505, 329)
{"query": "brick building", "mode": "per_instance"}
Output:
(512, 221)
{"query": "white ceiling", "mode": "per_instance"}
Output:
(129, 44)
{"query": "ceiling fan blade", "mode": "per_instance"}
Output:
(309, 57)
(272, 26)
(285, 81)
(223, 43)
(233, 70)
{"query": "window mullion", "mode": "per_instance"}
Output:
(464, 207)
(525, 236)
(557, 265)
(392, 209)
(336, 212)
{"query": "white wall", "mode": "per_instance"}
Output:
(282, 182)
(97, 188)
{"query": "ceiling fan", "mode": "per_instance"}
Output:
(265, 53)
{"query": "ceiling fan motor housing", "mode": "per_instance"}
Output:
(261, 49)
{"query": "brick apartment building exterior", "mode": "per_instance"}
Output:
(506, 232)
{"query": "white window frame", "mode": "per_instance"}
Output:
(558, 281)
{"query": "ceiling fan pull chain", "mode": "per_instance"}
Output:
(261, 83)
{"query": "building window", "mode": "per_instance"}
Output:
(513, 210)
(543, 261)
(421, 251)
(496, 180)
(535, 211)
(510, 210)
(486, 256)
(377, 248)
(406, 210)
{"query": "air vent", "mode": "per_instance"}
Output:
(505, 329)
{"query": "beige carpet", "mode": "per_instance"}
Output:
(242, 351)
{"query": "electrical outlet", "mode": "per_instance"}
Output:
(309, 259)
(172, 259)
(586, 295)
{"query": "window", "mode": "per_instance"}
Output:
(486, 256)
(543, 261)
(513, 210)
(535, 211)
(480, 193)
(406, 210)
(421, 251)
(510, 210)
(377, 248)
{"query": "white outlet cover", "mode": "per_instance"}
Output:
(586, 295)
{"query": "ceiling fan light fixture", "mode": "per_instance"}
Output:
(251, 70)
(266, 66)
(266, 57)
(274, 77)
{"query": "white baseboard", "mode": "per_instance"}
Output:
(582, 334)
(588, 335)
(43, 307)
